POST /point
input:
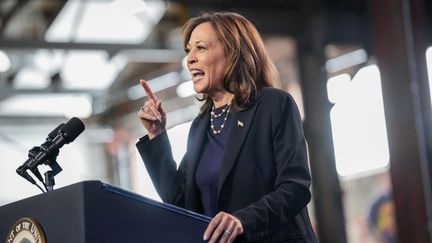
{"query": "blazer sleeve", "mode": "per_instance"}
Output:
(167, 179)
(291, 194)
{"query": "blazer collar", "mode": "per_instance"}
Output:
(197, 136)
(199, 129)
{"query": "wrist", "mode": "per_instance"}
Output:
(152, 135)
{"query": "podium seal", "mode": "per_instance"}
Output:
(26, 230)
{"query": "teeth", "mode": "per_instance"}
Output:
(196, 72)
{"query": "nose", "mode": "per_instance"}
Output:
(191, 58)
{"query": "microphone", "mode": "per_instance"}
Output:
(22, 170)
(61, 135)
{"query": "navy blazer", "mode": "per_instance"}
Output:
(264, 179)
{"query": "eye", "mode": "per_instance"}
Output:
(187, 50)
(200, 48)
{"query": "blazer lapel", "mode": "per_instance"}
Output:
(239, 129)
(199, 131)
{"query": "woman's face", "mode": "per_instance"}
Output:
(206, 60)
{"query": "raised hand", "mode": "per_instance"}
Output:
(151, 114)
(224, 227)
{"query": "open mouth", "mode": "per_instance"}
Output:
(197, 74)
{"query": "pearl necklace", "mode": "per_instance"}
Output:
(214, 116)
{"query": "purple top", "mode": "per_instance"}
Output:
(207, 172)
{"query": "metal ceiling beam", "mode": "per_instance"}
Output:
(154, 55)
(249, 4)
(10, 91)
(134, 52)
(41, 44)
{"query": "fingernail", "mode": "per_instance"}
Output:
(155, 118)
(159, 118)
(205, 237)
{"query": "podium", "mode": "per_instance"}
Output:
(95, 212)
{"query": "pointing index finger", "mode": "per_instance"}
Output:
(148, 90)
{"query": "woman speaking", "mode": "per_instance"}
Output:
(246, 162)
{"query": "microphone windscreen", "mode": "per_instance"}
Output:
(72, 129)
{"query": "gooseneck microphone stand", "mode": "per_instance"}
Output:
(51, 161)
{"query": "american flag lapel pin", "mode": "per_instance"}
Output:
(239, 123)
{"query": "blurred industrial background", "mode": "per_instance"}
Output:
(357, 69)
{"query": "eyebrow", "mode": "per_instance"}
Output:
(197, 42)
